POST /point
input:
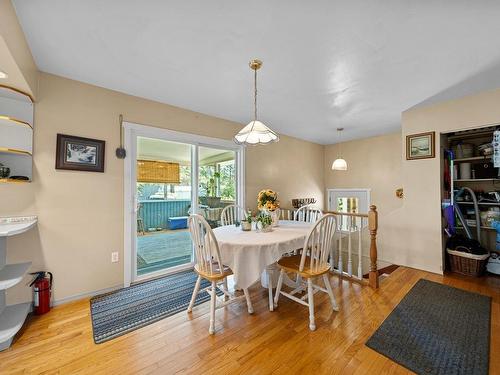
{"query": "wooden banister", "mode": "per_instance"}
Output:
(346, 213)
(373, 227)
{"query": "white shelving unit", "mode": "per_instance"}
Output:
(16, 134)
(12, 317)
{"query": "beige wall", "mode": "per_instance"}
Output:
(421, 212)
(81, 213)
(410, 229)
(15, 43)
(373, 163)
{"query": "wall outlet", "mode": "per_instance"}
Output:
(114, 257)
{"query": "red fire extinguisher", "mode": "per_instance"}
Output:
(42, 290)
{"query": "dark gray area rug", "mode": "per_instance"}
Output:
(127, 309)
(437, 329)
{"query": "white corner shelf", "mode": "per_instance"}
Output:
(11, 274)
(12, 317)
(11, 320)
(16, 131)
(11, 226)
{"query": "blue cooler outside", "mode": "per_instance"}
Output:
(177, 222)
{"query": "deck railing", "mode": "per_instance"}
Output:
(155, 213)
(355, 233)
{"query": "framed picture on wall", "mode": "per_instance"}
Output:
(420, 146)
(79, 154)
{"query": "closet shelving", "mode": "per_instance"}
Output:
(483, 183)
(479, 203)
(472, 158)
(477, 180)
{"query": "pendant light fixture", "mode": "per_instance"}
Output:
(339, 164)
(255, 132)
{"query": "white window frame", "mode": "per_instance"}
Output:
(131, 132)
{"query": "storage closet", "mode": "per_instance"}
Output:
(470, 188)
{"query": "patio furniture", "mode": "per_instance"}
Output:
(310, 265)
(209, 266)
(232, 213)
(211, 215)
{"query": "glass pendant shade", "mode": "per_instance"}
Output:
(339, 165)
(256, 133)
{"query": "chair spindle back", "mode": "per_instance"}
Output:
(319, 242)
(206, 248)
(308, 213)
(232, 213)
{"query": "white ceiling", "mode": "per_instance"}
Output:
(352, 63)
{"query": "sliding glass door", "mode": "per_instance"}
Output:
(164, 201)
(217, 185)
(170, 175)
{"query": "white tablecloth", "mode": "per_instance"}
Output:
(248, 253)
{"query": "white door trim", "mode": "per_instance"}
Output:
(131, 131)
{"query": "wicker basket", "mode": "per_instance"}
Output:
(466, 263)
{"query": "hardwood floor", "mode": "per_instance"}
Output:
(266, 342)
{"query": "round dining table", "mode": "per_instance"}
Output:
(250, 253)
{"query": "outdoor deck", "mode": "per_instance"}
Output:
(164, 249)
(159, 247)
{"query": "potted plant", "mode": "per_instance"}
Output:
(264, 222)
(211, 199)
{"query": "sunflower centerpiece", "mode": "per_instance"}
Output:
(268, 204)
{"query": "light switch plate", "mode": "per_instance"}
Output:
(114, 257)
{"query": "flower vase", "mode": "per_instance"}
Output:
(275, 215)
(264, 228)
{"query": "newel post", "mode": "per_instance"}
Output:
(373, 226)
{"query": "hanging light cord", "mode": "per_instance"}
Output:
(255, 96)
(340, 143)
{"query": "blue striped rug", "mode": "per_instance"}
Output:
(116, 313)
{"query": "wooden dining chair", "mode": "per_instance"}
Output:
(308, 213)
(311, 265)
(208, 265)
(232, 213)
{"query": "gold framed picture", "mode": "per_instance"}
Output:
(420, 146)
